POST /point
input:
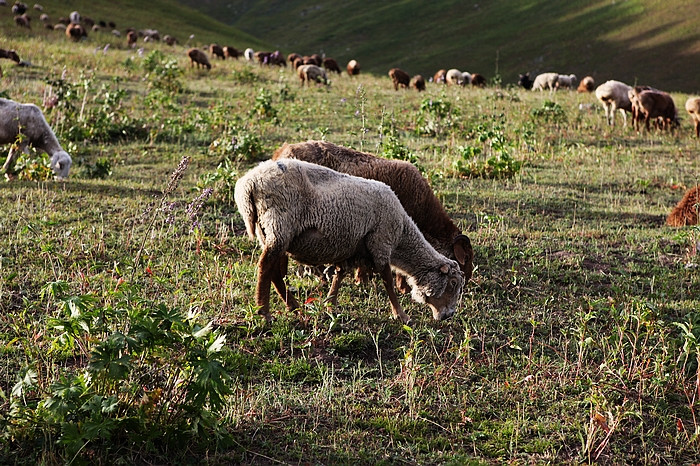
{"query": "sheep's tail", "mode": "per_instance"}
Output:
(245, 200)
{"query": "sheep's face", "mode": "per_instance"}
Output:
(60, 163)
(441, 291)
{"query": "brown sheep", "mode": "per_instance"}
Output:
(686, 211)
(169, 40)
(400, 78)
(314, 59)
(353, 68)
(655, 105)
(297, 63)
(75, 32)
(331, 65)
(131, 38)
(292, 57)
(692, 106)
(414, 192)
(439, 76)
(217, 51)
(23, 21)
(418, 83)
(308, 73)
(478, 80)
(10, 55)
(587, 84)
(198, 57)
(232, 52)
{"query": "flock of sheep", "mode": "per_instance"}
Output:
(324, 204)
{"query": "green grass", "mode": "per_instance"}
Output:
(654, 42)
(575, 341)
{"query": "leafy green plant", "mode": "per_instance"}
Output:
(263, 108)
(550, 112)
(163, 72)
(494, 161)
(436, 116)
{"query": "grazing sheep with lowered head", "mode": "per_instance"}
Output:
(692, 106)
(318, 216)
(686, 211)
(614, 95)
(131, 38)
(36, 132)
(478, 80)
(545, 81)
(217, 51)
(308, 73)
(418, 83)
(10, 54)
(659, 105)
(399, 78)
(75, 32)
(198, 57)
(232, 52)
(353, 68)
(408, 184)
(439, 76)
(169, 40)
(525, 82)
(23, 21)
(587, 84)
(454, 77)
(249, 54)
(331, 66)
(566, 82)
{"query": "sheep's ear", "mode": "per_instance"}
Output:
(462, 248)
(445, 268)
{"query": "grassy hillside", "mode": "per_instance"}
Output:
(129, 331)
(166, 16)
(654, 42)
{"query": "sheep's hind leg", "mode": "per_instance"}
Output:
(335, 286)
(396, 310)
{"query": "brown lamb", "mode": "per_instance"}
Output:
(198, 57)
(686, 211)
(413, 191)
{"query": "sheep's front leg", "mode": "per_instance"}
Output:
(11, 158)
(270, 268)
(335, 286)
(388, 279)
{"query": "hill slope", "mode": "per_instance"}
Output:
(167, 16)
(646, 41)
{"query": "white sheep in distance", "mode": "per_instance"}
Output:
(545, 81)
(614, 95)
(692, 106)
(455, 77)
(564, 81)
(27, 120)
(319, 216)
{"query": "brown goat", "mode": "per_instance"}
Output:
(587, 84)
(414, 192)
(198, 57)
(217, 51)
(331, 65)
(686, 211)
(692, 106)
(658, 105)
(75, 32)
(440, 76)
(353, 68)
(418, 83)
(400, 78)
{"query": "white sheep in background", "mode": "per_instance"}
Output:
(614, 95)
(692, 106)
(27, 119)
(466, 78)
(545, 81)
(248, 54)
(319, 216)
(454, 76)
(564, 81)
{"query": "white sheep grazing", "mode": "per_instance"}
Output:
(319, 216)
(454, 76)
(466, 78)
(27, 119)
(564, 81)
(614, 95)
(248, 54)
(545, 81)
(692, 106)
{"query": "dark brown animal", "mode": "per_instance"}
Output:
(10, 55)
(217, 51)
(131, 38)
(170, 40)
(686, 211)
(440, 76)
(353, 68)
(23, 21)
(297, 63)
(478, 80)
(587, 84)
(400, 78)
(414, 192)
(75, 32)
(293, 56)
(331, 65)
(418, 83)
(199, 58)
(232, 52)
(659, 105)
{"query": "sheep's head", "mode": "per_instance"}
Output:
(440, 289)
(60, 163)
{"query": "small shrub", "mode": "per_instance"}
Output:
(494, 162)
(550, 112)
(162, 73)
(263, 108)
(435, 116)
